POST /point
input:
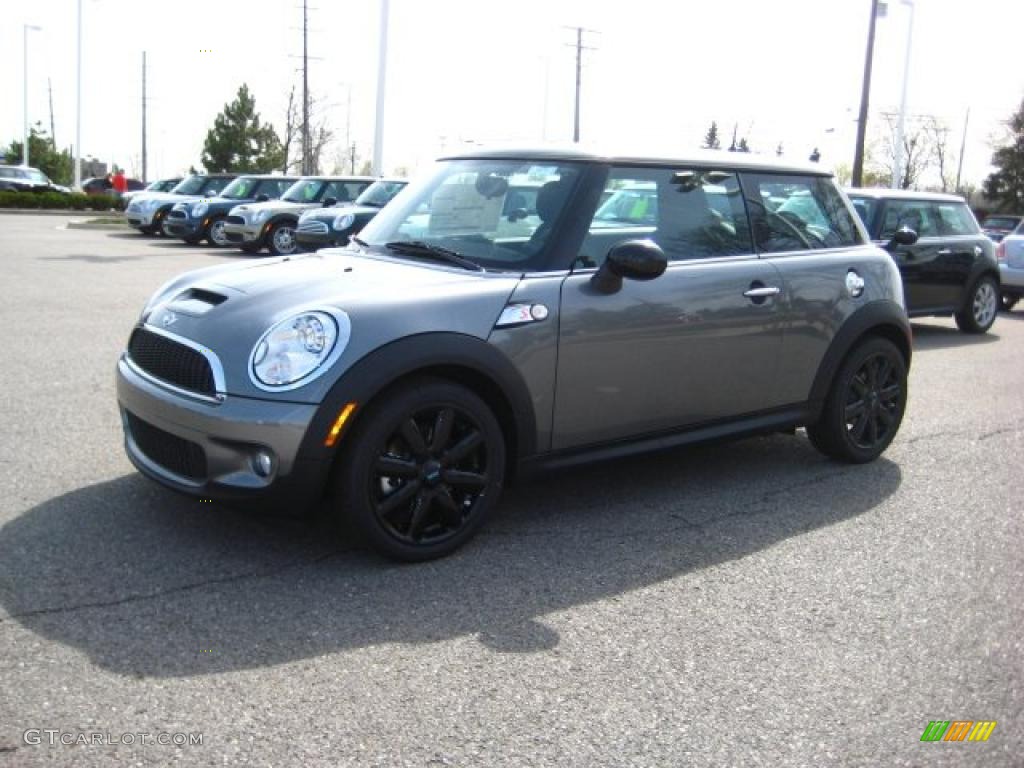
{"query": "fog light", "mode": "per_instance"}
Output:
(263, 462)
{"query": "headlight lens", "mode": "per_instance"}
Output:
(294, 348)
(344, 221)
(261, 216)
(200, 209)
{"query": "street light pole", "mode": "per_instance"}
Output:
(897, 176)
(382, 65)
(25, 133)
(78, 103)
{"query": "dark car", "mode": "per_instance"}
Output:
(147, 211)
(948, 265)
(998, 226)
(21, 178)
(406, 378)
(196, 220)
(322, 227)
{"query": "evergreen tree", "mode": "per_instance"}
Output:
(42, 155)
(239, 142)
(743, 146)
(711, 140)
(1006, 185)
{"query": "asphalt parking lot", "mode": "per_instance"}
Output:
(742, 604)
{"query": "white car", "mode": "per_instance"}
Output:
(1010, 255)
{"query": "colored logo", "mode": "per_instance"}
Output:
(958, 730)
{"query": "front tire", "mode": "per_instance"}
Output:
(1008, 302)
(422, 470)
(980, 312)
(864, 405)
(215, 234)
(282, 239)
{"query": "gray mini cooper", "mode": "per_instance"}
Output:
(641, 303)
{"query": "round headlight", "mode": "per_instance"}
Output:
(151, 204)
(344, 221)
(200, 209)
(261, 215)
(296, 350)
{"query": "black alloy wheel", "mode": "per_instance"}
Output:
(422, 469)
(865, 404)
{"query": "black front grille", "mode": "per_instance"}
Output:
(175, 454)
(234, 237)
(235, 220)
(171, 361)
(177, 215)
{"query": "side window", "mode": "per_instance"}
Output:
(955, 219)
(691, 213)
(343, 191)
(916, 214)
(798, 213)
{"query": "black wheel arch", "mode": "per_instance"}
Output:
(464, 359)
(884, 318)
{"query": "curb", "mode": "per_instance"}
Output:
(51, 212)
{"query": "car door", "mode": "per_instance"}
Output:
(925, 286)
(961, 247)
(697, 344)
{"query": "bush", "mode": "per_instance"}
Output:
(57, 201)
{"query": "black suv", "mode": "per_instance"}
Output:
(948, 264)
(20, 178)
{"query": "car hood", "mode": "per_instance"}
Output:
(275, 206)
(227, 308)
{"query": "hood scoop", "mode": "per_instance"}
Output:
(196, 301)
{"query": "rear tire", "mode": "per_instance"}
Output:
(1008, 302)
(422, 470)
(979, 312)
(864, 405)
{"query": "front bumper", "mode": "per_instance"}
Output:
(142, 218)
(187, 228)
(245, 234)
(222, 439)
(319, 234)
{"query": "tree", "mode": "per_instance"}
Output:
(743, 146)
(711, 140)
(239, 142)
(291, 130)
(1006, 185)
(938, 136)
(917, 155)
(42, 155)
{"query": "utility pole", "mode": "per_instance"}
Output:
(382, 64)
(865, 93)
(305, 89)
(145, 168)
(27, 134)
(963, 146)
(53, 130)
(579, 77)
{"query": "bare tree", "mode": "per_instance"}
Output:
(291, 129)
(938, 136)
(917, 153)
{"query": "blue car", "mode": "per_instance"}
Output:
(203, 218)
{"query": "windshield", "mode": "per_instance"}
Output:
(463, 207)
(304, 191)
(189, 186)
(379, 194)
(865, 208)
(38, 176)
(240, 189)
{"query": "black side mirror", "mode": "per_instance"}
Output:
(329, 201)
(902, 236)
(633, 259)
(262, 198)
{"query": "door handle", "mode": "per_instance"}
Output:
(762, 292)
(945, 252)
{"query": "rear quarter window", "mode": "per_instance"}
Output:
(798, 213)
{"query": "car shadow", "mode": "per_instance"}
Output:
(149, 583)
(928, 337)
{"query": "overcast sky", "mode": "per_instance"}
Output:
(461, 71)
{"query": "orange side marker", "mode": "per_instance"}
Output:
(339, 424)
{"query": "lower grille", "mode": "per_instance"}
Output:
(234, 237)
(175, 454)
(313, 227)
(235, 220)
(171, 361)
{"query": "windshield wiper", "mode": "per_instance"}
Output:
(359, 241)
(420, 248)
